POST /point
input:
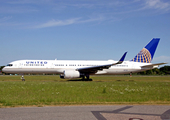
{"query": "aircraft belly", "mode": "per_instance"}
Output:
(117, 71)
(113, 71)
(33, 70)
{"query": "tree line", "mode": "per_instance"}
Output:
(157, 71)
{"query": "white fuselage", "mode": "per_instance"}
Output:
(84, 68)
(59, 66)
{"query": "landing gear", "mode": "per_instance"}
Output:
(22, 78)
(87, 78)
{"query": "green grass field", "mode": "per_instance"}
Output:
(51, 90)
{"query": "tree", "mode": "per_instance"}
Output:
(161, 71)
(165, 69)
(1, 67)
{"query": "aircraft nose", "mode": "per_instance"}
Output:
(4, 69)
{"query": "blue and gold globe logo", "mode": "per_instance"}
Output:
(144, 56)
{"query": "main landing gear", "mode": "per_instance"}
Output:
(87, 78)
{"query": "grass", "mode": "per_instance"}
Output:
(51, 90)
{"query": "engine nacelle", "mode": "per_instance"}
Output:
(69, 74)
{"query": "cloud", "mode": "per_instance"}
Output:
(27, 1)
(5, 21)
(17, 9)
(162, 59)
(5, 18)
(157, 4)
(54, 23)
(99, 11)
(92, 19)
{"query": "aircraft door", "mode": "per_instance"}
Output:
(52, 66)
(132, 67)
(20, 65)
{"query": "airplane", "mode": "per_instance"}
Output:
(71, 69)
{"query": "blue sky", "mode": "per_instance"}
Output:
(82, 29)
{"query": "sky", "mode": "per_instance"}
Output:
(82, 29)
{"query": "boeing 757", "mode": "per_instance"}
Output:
(70, 69)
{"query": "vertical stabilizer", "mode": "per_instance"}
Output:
(147, 53)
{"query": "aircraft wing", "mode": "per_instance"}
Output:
(152, 65)
(94, 69)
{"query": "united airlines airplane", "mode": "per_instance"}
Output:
(70, 69)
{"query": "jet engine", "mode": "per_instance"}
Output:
(69, 74)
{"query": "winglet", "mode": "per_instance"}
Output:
(121, 59)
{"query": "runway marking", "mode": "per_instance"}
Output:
(129, 117)
(118, 115)
(100, 117)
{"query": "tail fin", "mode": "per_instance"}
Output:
(147, 53)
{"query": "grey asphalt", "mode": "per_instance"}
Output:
(97, 112)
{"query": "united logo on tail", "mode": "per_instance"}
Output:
(147, 53)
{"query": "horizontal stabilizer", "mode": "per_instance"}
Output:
(152, 65)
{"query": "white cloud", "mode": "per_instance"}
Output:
(27, 1)
(157, 4)
(5, 18)
(92, 19)
(54, 23)
(162, 59)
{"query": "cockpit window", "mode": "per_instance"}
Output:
(10, 65)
